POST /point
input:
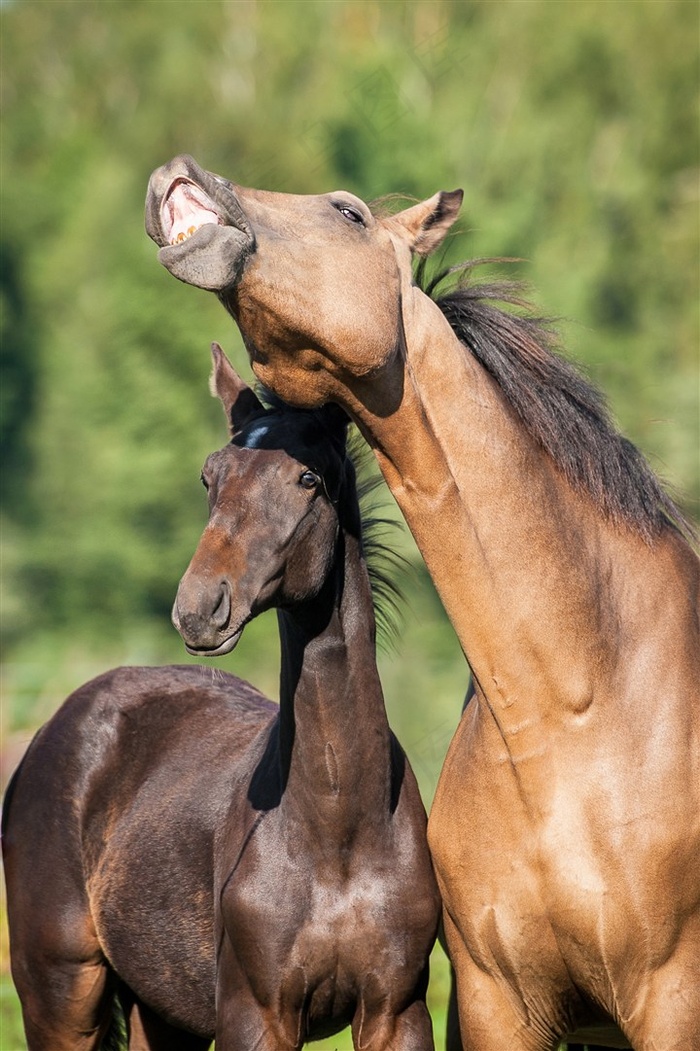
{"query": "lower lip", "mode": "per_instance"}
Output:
(224, 648)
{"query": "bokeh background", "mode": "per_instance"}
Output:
(573, 129)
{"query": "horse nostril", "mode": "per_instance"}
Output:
(222, 612)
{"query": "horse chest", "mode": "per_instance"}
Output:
(314, 938)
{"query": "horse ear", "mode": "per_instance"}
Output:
(424, 225)
(237, 398)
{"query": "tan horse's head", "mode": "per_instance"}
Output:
(315, 282)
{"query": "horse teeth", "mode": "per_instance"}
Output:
(182, 236)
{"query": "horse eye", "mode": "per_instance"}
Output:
(204, 481)
(309, 480)
(352, 214)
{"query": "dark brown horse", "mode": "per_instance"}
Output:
(173, 836)
(565, 829)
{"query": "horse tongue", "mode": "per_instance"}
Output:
(210, 258)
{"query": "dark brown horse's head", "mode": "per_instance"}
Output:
(314, 281)
(273, 515)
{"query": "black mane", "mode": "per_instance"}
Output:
(557, 405)
(385, 566)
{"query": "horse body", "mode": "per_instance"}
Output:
(577, 829)
(565, 828)
(203, 847)
(125, 810)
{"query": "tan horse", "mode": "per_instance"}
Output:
(566, 825)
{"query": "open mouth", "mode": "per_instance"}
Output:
(203, 235)
(184, 210)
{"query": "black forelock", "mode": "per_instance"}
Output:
(300, 432)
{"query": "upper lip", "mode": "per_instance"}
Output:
(177, 220)
(206, 190)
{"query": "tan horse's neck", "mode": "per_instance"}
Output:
(516, 556)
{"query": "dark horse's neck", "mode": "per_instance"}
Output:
(334, 737)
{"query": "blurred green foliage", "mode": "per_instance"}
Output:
(573, 128)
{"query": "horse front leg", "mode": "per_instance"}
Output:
(66, 1006)
(411, 1030)
(149, 1032)
(242, 1022)
(489, 1019)
(665, 1011)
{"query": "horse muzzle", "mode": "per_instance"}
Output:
(203, 619)
(198, 222)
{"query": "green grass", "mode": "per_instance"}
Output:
(11, 1031)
